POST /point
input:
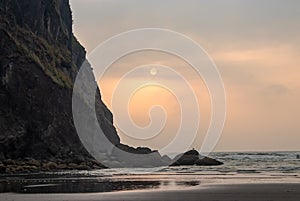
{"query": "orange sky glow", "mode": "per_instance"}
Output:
(255, 49)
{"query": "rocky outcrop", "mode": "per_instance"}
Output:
(27, 165)
(126, 156)
(206, 161)
(193, 157)
(39, 60)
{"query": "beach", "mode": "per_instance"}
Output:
(149, 100)
(246, 176)
(238, 192)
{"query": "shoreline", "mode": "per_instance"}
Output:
(209, 192)
(30, 165)
(113, 180)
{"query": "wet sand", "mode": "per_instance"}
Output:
(238, 192)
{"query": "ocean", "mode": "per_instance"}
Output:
(251, 167)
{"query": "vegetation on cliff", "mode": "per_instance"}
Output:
(39, 60)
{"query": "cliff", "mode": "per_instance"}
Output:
(39, 60)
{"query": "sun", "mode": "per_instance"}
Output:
(153, 71)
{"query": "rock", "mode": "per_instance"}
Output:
(188, 158)
(208, 162)
(2, 157)
(33, 168)
(9, 162)
(18, 169)
(192, 157)
(20, 163)
(34, 162)
(95, 162)
(50, 166)
(78, 159)
(166, 160)
(143, 150)
(32, 165)
(192, 153)
(72, 165)
(127, 156)
(2, 168)
(82, 167)
(97, 165)
(115, 164)
(62, 166)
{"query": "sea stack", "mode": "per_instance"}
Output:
(193, 157)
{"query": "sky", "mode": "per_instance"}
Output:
(254, 44)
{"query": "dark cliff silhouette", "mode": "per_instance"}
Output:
(39, 60)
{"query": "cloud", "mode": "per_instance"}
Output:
(277, 90)
(255, 44)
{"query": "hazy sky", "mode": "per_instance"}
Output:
(255, 45)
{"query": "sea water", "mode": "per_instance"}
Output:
(251, 167)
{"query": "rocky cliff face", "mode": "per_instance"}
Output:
(39, 60)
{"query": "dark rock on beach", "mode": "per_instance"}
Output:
(126, 156)
(193, 157)
(32, 165)
(206, 161)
